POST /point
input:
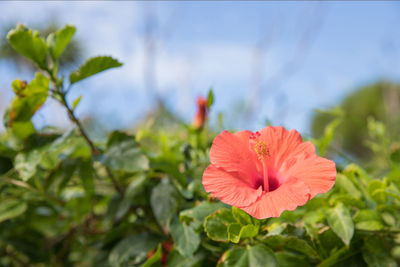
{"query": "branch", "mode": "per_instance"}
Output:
(95, 151)
(75, 120)
(93, 148)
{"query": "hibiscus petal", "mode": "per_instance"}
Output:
(229, 188)
(231, 152)
(244, 136)
(283, 144)
(288, 196)
(318, 173)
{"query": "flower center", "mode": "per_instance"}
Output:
(262, 152)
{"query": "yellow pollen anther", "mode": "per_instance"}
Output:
(261, 150)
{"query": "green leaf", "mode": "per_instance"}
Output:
(344, 183)
(327, 138)
(71, 145)
(368, 220)
(347, 200)
(291, 260)
(59, 40)
(328, 242)
(76, 102)
(237, 231)
(124, 154)
(234, 232)
(275, 229)
(196, 215)
(376, 253)
(155, 260)
(339, 220)
(388, 218)
(291, 244)
(216, 225)
(93, 66)
(335, 257)
(369, 226)
(241, 216)
(210, 99)
(175, 259)
(134, 188)
(22, 129)
(49, 156)
(26, 162)
(261, 255)
(28, 100)
(170, 166)
(11, 208)
(201, 211)
(29, 44)
(164, 203)
(132, 250)
(59, 178)
(376, 190)
(185, 238)
(249, 256)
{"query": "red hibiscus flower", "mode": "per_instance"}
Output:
(266, 172)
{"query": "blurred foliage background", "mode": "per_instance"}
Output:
(378, 101)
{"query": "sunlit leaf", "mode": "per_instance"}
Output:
(216, 225)
(93, 66)
(29, 44)
(76, 102)
(340, 221)
(241, 216)
(28, 100)
(210, 98)
(368, 220)
(59, 40)
(237, 231)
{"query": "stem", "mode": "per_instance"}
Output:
(75, 120)
(93, 148)
(95, 151)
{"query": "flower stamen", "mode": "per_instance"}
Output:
(260, 147)
(261, 150)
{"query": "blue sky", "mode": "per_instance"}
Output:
(312, 54)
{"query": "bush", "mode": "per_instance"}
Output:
(137, 200)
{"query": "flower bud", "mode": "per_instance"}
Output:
(201, 115)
